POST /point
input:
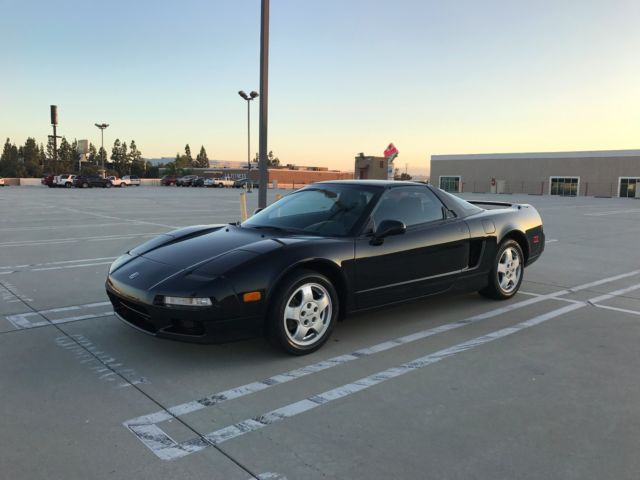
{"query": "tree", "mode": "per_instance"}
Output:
(9, 160)
(151, 171)
(272, 161)
(119, 157)
(402, 176)
(65, 156)
(202, 160)
(30, 155)
(137, 165)
(183, 162)
(93, 158)
(187, 154)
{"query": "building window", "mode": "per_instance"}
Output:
(628, 187)
(450, 183)
(564, 186)
(381, 163)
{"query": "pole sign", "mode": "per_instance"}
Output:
(390, 153)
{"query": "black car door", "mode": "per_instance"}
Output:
(426, 259)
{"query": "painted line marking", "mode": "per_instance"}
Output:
(55, 241)
(60, 267)
(87, 353)
(64, 262)
(20, 320)
(612, 212)
(616, 309)
(145, 428)
(52, 227)
(129, 220)
(551, 240)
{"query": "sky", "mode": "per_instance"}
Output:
(345, 76)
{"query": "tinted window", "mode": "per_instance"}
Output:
(322, 209)
(411, 205)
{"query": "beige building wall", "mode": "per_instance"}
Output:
(370, 168)
(599, 172)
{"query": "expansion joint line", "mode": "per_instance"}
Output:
(127, 381)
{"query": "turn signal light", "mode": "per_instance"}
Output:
(252, 297)
(536, 239)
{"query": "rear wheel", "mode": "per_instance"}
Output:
(506, 275)
(85, 185)
(122, 185)
(303, 312)
(108, 185)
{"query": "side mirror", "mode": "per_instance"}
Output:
(387, 228)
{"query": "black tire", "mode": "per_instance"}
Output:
(108, 185)
(122, 184)
(85, 185)
(68, 185)
(277, 324)
(494, 289)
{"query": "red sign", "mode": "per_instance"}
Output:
(390, 150)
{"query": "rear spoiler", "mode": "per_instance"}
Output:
(498, 204)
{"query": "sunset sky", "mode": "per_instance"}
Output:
(346, 76)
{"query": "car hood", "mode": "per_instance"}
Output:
(195, 250)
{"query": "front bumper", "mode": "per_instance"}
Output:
(197, 324)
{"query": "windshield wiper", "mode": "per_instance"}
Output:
(273, 227)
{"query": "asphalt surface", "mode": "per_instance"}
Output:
(542, 386)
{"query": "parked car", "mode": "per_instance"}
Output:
(317, 255)
(197, 182)
(65, 180)
(48, 180)
(116, 182)
(88, 181)
(185, 181)
(1, 182)
(209, 182)
(131, 180)
(243, 183)
(168, 180)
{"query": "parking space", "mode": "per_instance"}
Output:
(541, 386)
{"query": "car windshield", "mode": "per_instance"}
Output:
(331, 210)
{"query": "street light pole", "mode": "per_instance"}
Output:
(102, 126)
(264, 95)
(248, 98)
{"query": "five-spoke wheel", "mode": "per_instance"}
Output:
(304, 312)
(505, 277)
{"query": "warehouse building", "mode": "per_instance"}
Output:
(607, 173)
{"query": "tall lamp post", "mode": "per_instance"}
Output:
(248, 98)
(102, 126)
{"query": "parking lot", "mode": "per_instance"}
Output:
(542, 386)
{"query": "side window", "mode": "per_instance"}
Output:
(411, 205)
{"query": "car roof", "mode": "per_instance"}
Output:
(377, 183)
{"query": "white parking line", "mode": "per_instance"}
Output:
(20, 320)
(63, 262)
(110, 217)
(163, 446)
(612, 212)
(54, 241)
(616, 309)
(63, 226)
(104, 365)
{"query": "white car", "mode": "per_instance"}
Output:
(1, 182)
(116, 182)
(219, 182)
(64, 180)
(130, 180)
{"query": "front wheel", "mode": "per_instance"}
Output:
(506, 275)
(108, 185)
(303, 313)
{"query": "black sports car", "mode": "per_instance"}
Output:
(293, 269)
